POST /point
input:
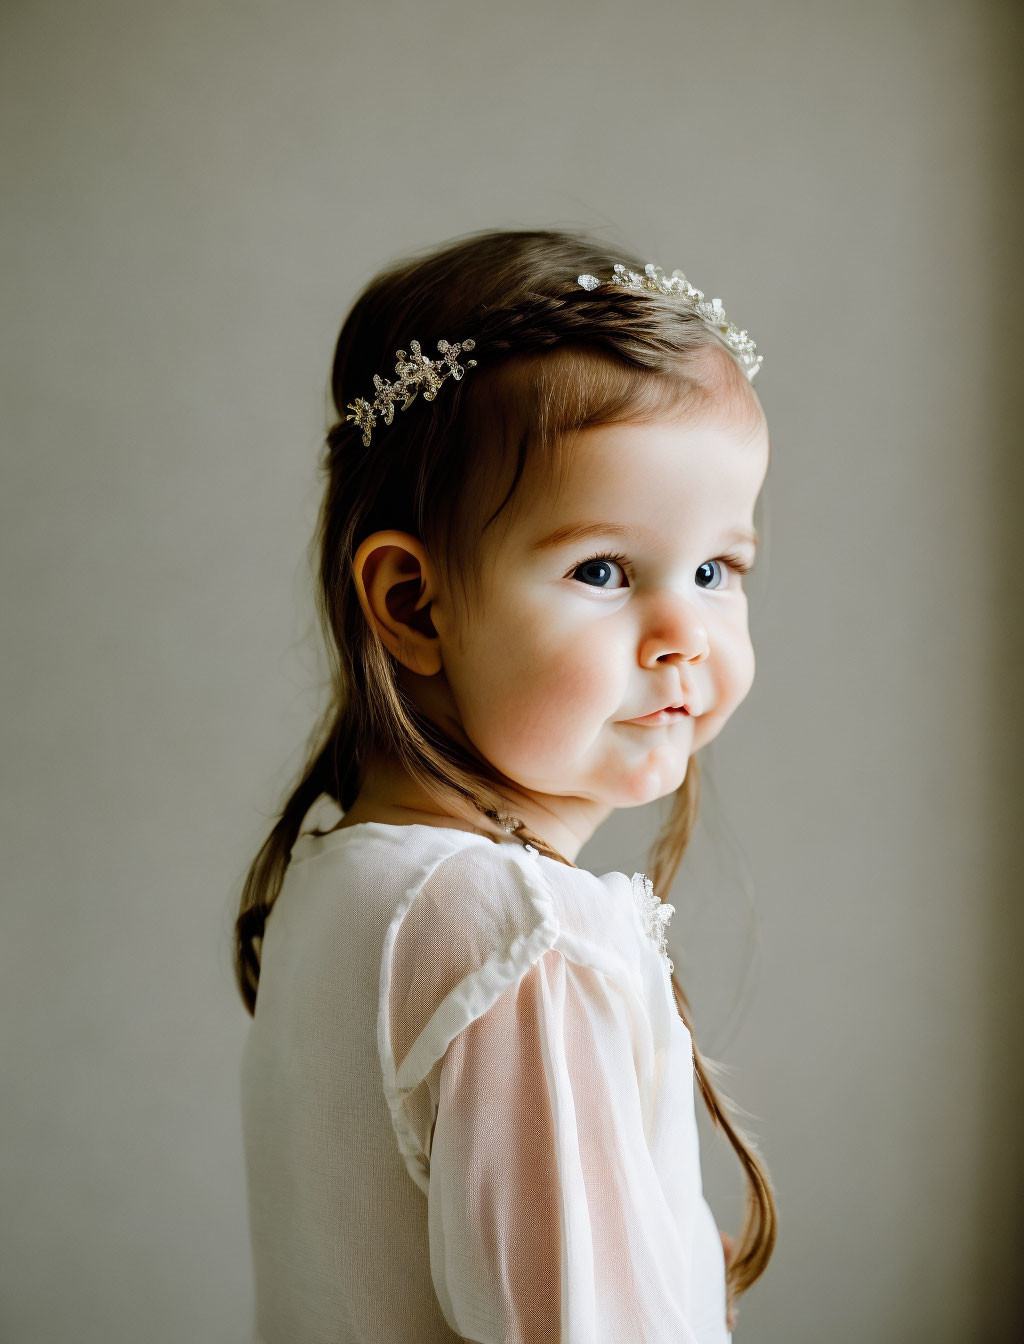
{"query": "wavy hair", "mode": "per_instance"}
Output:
(552, 360)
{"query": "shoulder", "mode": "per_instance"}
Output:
(478, 919)
(459, 902)
(471, 924)
(474, 903)
(476, 893)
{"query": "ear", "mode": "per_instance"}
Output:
(395, 584)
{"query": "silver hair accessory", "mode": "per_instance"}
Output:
(656, 281)
(509, 824)
(416, 373)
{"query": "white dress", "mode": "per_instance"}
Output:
(468, 1104)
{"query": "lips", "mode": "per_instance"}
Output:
(661, 716)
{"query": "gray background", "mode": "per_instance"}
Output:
(195, 192)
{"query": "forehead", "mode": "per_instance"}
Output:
(662, 476)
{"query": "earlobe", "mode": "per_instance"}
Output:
(394, 583)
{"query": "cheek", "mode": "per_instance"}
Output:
(532, 695)
(734, 676)
(737, 673)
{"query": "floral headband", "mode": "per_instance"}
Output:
(418, 373)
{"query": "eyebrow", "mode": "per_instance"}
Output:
(627, 532)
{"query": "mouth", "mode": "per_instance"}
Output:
(660, 716)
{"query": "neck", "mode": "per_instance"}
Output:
(389, 793)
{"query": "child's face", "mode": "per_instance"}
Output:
(564, 653)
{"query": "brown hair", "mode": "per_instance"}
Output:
(552, 359)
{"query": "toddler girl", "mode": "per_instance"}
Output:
(468, 1101)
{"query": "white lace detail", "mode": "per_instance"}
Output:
(654, 913)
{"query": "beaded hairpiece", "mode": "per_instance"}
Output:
(416, 373)
(656, 281)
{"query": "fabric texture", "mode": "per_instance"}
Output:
(468, 1105)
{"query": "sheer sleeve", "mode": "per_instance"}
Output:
(547, 1220)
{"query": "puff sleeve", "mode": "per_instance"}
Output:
(548, 1223)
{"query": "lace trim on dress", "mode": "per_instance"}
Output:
(654, 914)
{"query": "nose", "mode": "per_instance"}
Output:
(676, 632)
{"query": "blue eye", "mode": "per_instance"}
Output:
(596, 568)
(733, 562)
(706, 566)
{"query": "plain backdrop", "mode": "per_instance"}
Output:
(194, 193)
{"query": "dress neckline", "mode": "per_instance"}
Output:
(402, 826)
(427, 826)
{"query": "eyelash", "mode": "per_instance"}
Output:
(734, 562)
